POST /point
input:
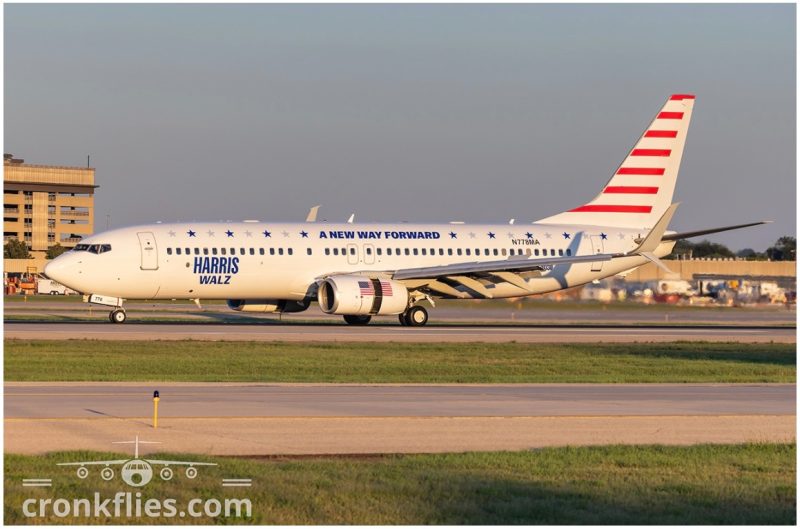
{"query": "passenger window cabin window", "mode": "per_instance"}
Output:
(369, 251)
(378, 250)
(261, 251)
(352, 251)
(441, 251)
(536, 252)
(424, 251)
(222, 251)
(415, 251)
(388, 251)
(197, 251)
(468, 251)
(528, 252)
(494, 251)
(280, 251)
(205, 251)
(178, 251)
(486, 251)
(290, 251)
(449, 251)
(308, 251)
(169, 251)
(552, 252)
(272, 251)
(560, 252)
(503, 251)
(569, 252)
(252, 251)
(408, 252)
(458, 251)
(188, 251)
(233, 251)
(336, 251)
(327, 251)
(241, 251)
(213, 251)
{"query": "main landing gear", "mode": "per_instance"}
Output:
(118, 315)
(415, 316)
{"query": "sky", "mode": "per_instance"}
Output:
(429, 113)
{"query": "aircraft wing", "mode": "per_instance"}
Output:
(520, 264)
(507, 269)
(85, 463)
(188, 463)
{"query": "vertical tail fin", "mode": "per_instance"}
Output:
(641, 189)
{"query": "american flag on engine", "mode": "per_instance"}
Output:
(386, 288)
(366, 288)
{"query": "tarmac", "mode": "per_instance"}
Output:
(303, 332)
(308, 419)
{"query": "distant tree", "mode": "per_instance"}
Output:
(749, 254)
(15, 249)
(701, 249)
(55, 250)
(784, 249)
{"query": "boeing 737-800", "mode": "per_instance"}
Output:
(361, 270)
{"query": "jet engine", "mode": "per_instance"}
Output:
(358, 295)
(267, 305)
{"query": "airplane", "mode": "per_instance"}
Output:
(137, 472)
(362, 270)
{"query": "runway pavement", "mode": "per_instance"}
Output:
(59, 400)
(283, 419)
(299, 332)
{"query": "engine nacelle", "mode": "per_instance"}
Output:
(358, 295)
(267, 305)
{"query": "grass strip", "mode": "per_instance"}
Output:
(202, 361)
(697, 485)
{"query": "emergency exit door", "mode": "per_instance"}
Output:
(147, 242)
(597, 248)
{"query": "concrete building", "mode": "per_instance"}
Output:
(45, 205)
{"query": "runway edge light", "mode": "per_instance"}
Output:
(156, 398)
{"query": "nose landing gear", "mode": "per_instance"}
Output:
(117, 316)
(416, 316)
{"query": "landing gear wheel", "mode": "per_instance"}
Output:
(117, 316)
(417, 316)
(357, 320)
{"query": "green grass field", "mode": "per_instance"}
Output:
(196, 361)
(704, 484)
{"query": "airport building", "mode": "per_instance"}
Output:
(45, 205)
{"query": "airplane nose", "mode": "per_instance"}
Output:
(56, 269)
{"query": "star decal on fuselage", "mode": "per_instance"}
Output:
(267, 233)
(491, 235)
(603, 236)
(191, 233)
(304, 234)
(453, 235)
(229, 233)
(566, 235)
(529, 235)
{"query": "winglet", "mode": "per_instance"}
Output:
(312, 214)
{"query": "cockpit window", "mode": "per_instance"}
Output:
(92, 248)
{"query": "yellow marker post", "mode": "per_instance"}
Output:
(155, 409)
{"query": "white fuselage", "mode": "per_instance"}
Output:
(256, 260)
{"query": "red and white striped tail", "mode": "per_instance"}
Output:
(641, 189)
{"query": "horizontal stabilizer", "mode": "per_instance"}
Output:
(689, 234)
